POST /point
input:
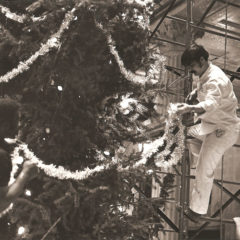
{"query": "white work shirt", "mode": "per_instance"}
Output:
(216, 97)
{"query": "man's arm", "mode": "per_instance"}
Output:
(186, 108)
(213, 96)
(14, 190)
(211, 102)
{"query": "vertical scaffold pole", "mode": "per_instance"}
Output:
(222, 169)
(184, 189)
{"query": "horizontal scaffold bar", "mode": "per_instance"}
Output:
(166, 230)
(170, 41)
(229, 3)
(227, 182)
(209, 219)
(231, 73)
(218, 180)
(192, 177)
(203, 29)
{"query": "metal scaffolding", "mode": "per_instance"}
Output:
(184, 174)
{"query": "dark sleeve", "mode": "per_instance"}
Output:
(5, 168)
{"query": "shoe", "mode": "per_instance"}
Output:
(191, 215)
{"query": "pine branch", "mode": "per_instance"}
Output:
(51, 228)
(6, 34)
(43, 210)
(35, 6)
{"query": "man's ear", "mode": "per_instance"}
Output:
(202, 61)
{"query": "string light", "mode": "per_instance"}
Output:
(47, 130)
(60, 88)
(28, 193)
(106, 153)
(21, 230)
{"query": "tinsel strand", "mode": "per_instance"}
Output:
(130, 76)
(53, 42)
(126, 73)
(16, 17)
(61, 173)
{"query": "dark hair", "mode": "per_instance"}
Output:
(5, 169)
(8, 109)
(194, 53)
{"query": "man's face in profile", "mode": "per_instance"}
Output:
(195, 68)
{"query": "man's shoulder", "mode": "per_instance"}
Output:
(216, 75)
(216, 71)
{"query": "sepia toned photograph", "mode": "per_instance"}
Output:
(119, 119)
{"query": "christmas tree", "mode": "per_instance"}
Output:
(83, 106)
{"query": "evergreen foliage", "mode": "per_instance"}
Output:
(71, 110)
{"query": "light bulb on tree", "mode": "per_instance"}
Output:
(60, 88)
(28, 193)
(21, 230)
(107, 153)
(47, 130)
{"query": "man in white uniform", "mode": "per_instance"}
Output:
(218, 130)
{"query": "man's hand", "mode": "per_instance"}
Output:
(183, 108)
(192, 96)
(29, 171)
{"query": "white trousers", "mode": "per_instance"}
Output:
(210, 151)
